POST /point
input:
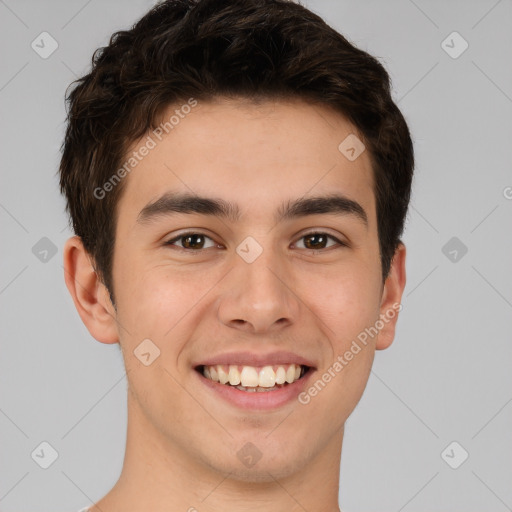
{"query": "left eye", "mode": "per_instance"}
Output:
(318, 240)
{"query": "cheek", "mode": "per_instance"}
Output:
(353, 306)
(347, 302)
(165, 304)
(157, 303)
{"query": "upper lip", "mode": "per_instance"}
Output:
(255, 359)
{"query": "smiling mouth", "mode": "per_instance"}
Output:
(253, 378)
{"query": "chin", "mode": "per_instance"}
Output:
(264, 470)
(264, 474)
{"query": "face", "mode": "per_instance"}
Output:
(274, 288)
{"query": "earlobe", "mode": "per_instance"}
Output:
(89, 294)
(391, 297)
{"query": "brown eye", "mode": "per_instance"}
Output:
(318, 241)
(191, 241)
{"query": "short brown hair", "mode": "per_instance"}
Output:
(254, 49)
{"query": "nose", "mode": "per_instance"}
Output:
(258, 297)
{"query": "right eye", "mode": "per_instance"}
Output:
(191, 241)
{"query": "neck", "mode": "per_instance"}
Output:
(158, 475)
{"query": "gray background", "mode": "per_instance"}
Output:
(446, 377)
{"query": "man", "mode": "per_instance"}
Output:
(237, 176)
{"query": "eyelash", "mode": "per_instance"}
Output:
(183, 235)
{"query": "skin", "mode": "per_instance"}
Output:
(182, 444)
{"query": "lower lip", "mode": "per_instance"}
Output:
(263, 400)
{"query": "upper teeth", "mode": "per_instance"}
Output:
(250, 376)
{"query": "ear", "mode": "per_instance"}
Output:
(391, 297)
(91, 297)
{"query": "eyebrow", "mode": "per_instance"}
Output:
(170, 203)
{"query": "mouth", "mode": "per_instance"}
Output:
(254, 379)
(255, 382)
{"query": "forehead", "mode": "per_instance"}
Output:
(256, 155)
